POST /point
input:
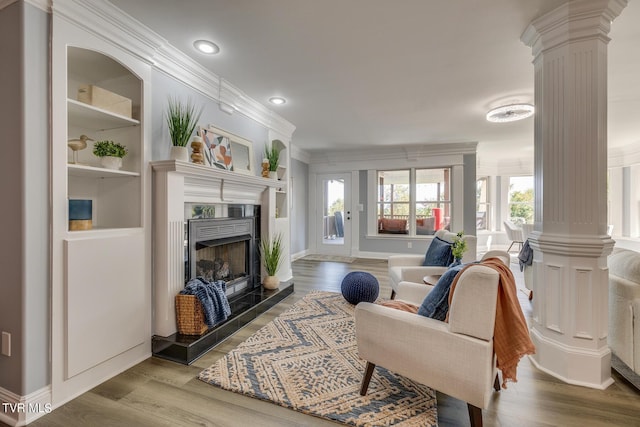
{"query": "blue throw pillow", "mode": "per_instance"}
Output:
(439, 253)
(436, 303)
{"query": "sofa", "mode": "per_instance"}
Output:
(624, 306)
(392, 226)
(409, 268)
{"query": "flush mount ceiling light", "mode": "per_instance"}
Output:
(510, 113)
(277, 100)
(206, 46)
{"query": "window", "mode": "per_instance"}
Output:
(482, 204)
(414, 196)
(521, 199)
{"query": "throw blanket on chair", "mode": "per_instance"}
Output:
(213, 298)
(511, 340)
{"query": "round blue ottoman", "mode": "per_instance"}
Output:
(360, 286)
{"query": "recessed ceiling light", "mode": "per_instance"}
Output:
(277, 100)
(510, 113)
(206, 46)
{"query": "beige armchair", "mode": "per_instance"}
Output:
(624, 307)
(409, 268)
(455, 358)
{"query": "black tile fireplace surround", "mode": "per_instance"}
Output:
(225, 249)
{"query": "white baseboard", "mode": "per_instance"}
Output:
(374, 255)
(299, 255)
(18, 411)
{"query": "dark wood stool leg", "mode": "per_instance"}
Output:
(496, 383)
(475, 415)
(367, 377)
(393, 294)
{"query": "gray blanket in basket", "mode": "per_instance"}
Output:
(213, 298)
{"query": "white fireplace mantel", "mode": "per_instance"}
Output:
(205, 184)
(174, 184)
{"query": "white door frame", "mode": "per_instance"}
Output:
(350, 219)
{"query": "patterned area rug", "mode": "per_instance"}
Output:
(307, 360)
(334, 258)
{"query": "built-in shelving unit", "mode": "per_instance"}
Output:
(115, 194)
(101, 298)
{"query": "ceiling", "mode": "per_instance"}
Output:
(363, 73)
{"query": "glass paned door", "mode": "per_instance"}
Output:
(334, 214)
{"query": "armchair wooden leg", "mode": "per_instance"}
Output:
(393, 294)
(367, 377)
(496, 383)
(475, 415)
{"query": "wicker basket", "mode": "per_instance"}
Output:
(189, 315)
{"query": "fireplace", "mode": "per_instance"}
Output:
(239, 208)
(224, 249)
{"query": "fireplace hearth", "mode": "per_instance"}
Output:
(246, 306)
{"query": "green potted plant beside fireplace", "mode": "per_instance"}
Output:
(110, 153)
(272, 253)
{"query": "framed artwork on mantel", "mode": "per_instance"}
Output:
(227, 151)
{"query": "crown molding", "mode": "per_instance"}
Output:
(106, 21)
(405, 153)
(505, 167)
(300, 154)
(624, 156)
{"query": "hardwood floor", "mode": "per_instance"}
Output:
(161, 393)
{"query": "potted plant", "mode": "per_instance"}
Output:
(272, 155)
(458, 247)
(272, 252)
(110, 153)
(182, 119)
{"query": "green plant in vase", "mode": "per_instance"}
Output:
(459, 246)
(272, 252)
(110, 153)
(182, 119)
(272, 154)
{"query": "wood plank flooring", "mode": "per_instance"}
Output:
(162, 393)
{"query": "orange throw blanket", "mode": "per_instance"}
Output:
(400, 305)
(511, 340)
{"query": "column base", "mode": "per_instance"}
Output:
(577, 366)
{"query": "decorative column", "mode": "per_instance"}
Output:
(570, 244)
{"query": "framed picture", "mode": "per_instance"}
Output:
(218, 152)
(227, 151)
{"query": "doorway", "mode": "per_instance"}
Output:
(333, 233)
